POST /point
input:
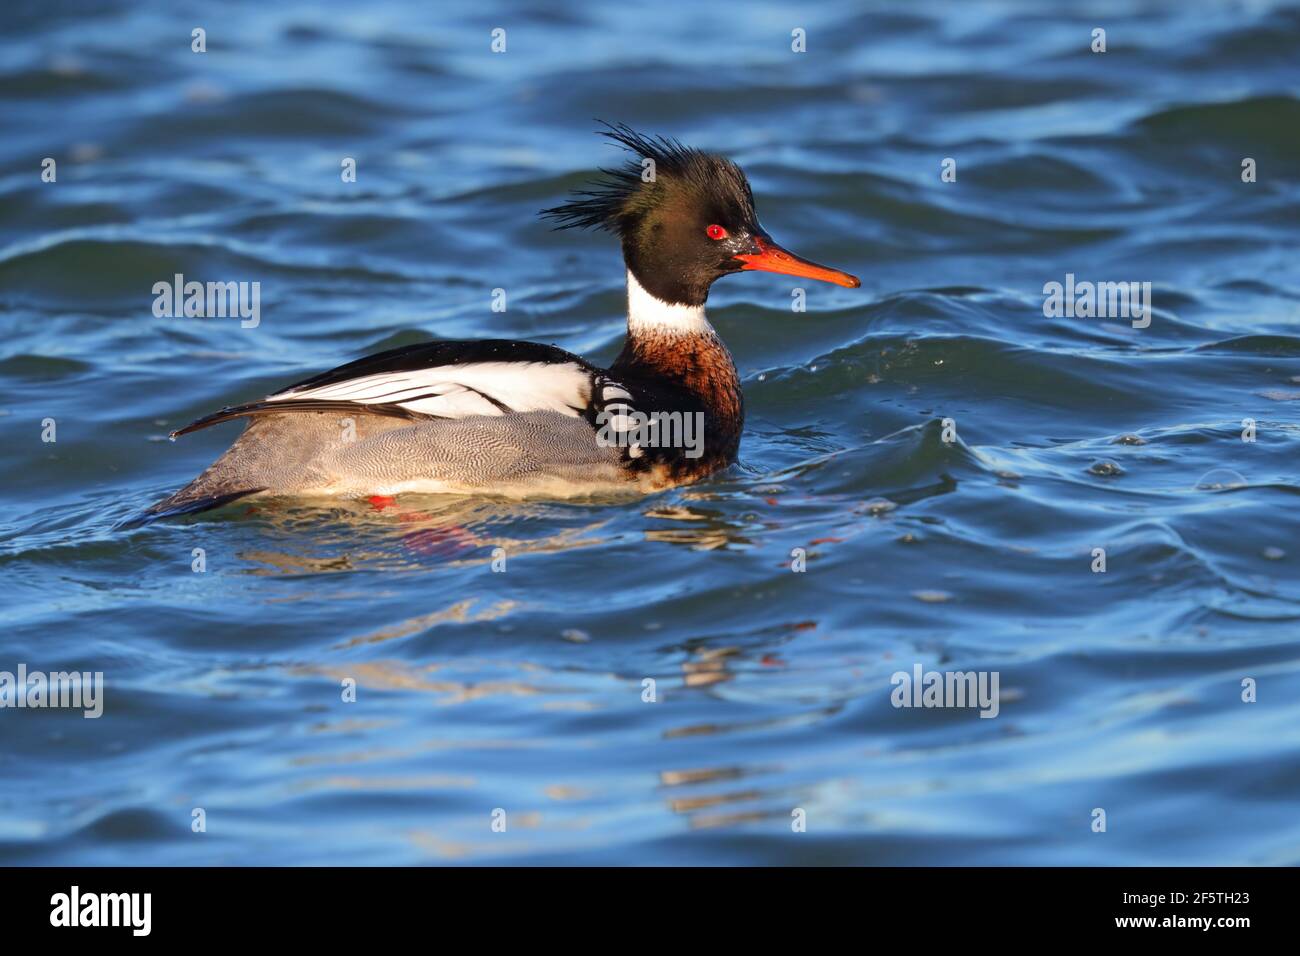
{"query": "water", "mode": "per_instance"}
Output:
(522, 691)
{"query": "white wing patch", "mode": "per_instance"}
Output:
(459, 391)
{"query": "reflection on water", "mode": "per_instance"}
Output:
(395, 676)
(702, 530)
(416, 534)
(929, 467)
(459, 612)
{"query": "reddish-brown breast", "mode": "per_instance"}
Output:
(687, 372)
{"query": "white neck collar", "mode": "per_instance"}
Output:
(646, 313)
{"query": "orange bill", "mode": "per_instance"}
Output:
(772, 258)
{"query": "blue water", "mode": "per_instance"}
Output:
(521, 691)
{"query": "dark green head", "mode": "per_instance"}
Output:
(685, 218)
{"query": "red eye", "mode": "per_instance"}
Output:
(716, 232)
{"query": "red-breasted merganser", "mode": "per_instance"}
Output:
(514, 418)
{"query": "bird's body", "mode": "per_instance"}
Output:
(521, 418)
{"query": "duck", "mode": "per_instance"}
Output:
(519, 418)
